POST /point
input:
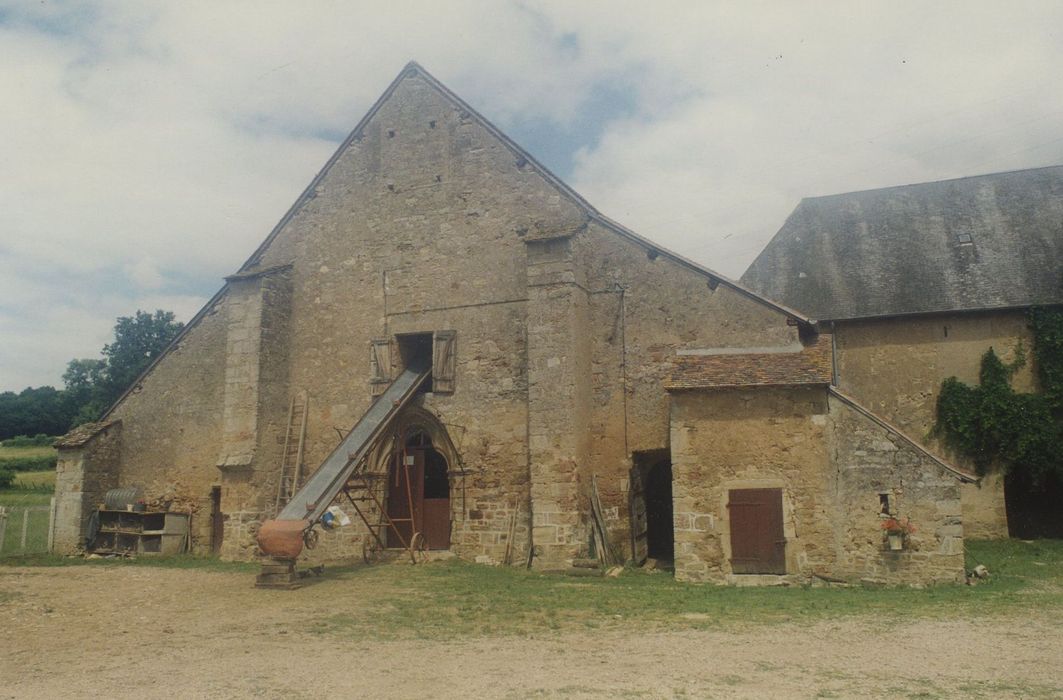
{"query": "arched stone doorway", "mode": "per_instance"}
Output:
(418, 470)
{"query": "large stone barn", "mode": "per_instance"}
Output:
(443, 329)
(916, 283)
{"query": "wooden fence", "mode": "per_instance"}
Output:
(25, 529)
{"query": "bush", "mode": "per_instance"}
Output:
(37, 463)
(40, 440)
(6, 479)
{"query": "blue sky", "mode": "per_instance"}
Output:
(149, 147)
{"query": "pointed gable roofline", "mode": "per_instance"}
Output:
(415, 69)
(411, 69)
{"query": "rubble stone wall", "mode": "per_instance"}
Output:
(172, 425)
(896, 366)
(83, 476)
(832, 464)
(645, 307)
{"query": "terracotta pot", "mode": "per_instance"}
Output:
(282, 539)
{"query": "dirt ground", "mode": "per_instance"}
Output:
(154, 633)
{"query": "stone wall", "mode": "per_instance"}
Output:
(896, 366)
(645, 307)
(84, 473)
(428, 221)
(870, 461)
(832, 465)
(172, 425)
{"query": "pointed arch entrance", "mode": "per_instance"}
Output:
(418, 471)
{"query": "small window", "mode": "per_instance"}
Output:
(964, 238)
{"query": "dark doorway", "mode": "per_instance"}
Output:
(650, 505)
(758, 545)
(217, 520)
(660, 537)
(415, 350)
(419, 477)
(1033, 506)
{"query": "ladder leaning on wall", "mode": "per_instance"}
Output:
(292, 457)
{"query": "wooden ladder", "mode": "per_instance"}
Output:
(292, 457)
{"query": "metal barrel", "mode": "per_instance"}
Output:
(118, 499)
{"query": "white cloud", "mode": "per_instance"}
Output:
(150, 147)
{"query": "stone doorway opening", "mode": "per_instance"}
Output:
(418, 476)
(416, 349)
(653, 534)
(1033, 506)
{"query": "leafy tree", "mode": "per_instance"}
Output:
(998, 427)
(33, 410)
(90, 385)
(93, 385)
(138, 341)
(85, 394)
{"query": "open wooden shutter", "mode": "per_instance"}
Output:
(443, 362)
(639, 521)
(379, 365)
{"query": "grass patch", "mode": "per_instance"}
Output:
(43, 481)
(32, 458)
(454, 598)
(24, 452)
(24, 497)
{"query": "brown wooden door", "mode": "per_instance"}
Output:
(757, 542)
(639, 525)
(405, 483)
(217, 520)
(435, 525)
(429, 490)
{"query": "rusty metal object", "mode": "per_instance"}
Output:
(282, 539)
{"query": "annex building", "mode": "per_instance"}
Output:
(915, 283)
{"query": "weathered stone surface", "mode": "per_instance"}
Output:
(564, 328)
(896, 368)
(832, 465)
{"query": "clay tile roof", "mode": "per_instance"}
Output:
(811, 365)
(83, 433)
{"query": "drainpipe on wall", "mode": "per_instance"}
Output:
(833, 356)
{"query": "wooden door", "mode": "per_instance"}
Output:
(639, 522)
(757, 542)
(405, 484)
(435, 525)
(217, 520)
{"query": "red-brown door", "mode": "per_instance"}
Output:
(405, 484)
(436, 504)
(757, 542)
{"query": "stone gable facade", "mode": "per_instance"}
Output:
(427, 226)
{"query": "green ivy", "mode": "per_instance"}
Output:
(999, 428)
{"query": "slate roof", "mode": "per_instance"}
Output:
(81, 435)
(984, 242)
(811, 365)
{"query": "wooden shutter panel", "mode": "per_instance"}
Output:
(639, 520)
(443, 362)
(379, 365)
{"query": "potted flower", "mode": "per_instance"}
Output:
(897, 529)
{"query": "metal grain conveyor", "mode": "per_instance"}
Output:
(283, 537)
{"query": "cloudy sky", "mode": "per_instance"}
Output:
(147, 148)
